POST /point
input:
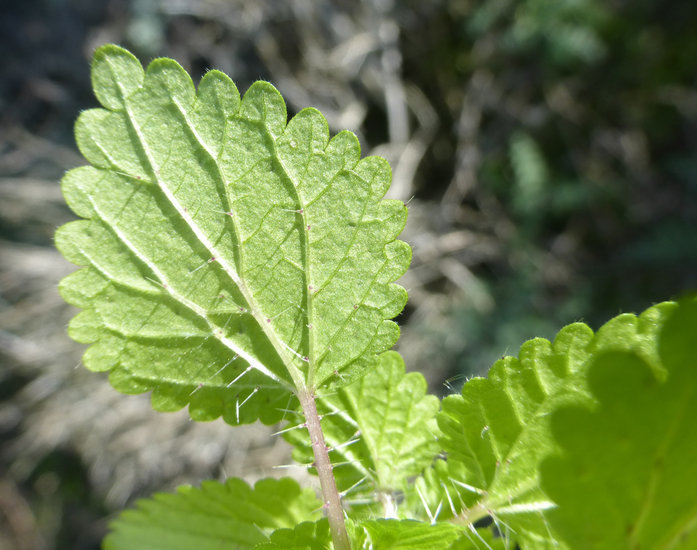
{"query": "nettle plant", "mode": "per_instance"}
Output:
(244, 266)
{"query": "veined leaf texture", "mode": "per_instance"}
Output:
(231, 257)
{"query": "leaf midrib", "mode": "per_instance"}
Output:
(281, 347)
(229, 270)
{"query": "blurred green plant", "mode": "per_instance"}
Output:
(576, 122)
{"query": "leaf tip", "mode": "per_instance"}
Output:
(116, 73)
(263, 103)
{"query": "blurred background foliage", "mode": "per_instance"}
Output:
(547, 150)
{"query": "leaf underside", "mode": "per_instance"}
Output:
(497, 432)
(231, 258)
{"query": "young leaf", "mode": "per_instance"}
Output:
(380, 431)
(217, 515)
(627, 475)
(231, 258)
(392, 534)
(497, 432)
(305, 536)
(482, 539)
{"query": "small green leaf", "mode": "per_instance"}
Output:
(380, 430)
(627, 474)
(498, 431)
(305, 536)
(217, 515)
(392, 534)
(231, 258)
(482, 539)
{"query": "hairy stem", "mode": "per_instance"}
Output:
(330, 494)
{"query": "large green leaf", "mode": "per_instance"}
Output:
(217, 515)
(498, 431)
(380, 431)
(627, 475)
(231, 258)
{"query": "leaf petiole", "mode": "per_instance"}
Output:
(330, 494)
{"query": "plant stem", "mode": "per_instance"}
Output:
(330, 494)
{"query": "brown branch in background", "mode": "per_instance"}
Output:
(16, 515)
